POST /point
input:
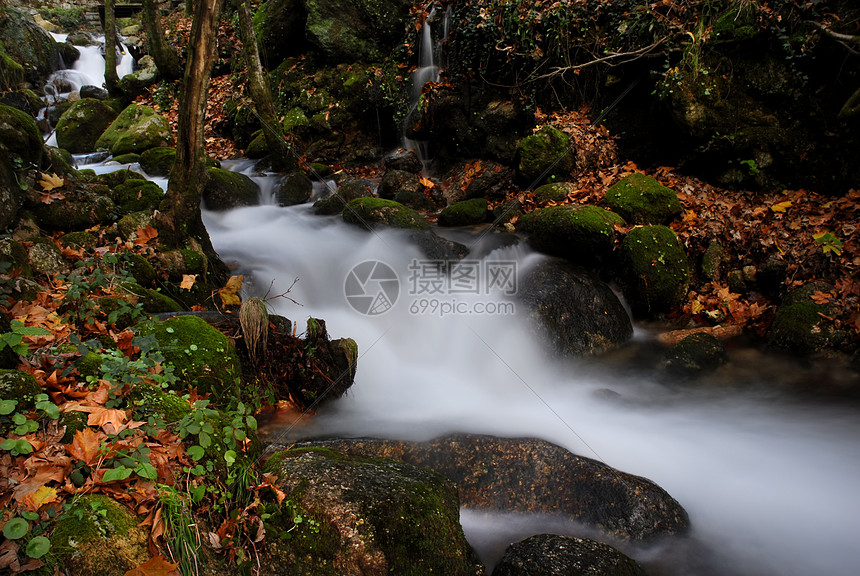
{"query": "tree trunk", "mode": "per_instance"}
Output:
(163, 53)
(179, 221)
(279, 149)
(111, 78)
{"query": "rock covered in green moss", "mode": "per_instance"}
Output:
(372, 212)
(98, 536)
(800, 325)
(202, 356)
(582, 234)
(295, 189)
(137, 129)
(26, 42)
(82, 124)
(158, 161)
(225, 190)
(134, 84)
(18, 385)
(694, 355)
(547, 150)
(135, 195)
(654, 269)
(15, 254)
(129, 158)
(553, 192)
(19, 136)
(363, 516)
(274, 21)
(80, 211)
(713, 262)
(151, 400)
(464, 213)
(641, 199)
(573, 312)
(550, 554)
(11, 72)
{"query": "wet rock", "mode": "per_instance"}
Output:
(158, 161)
(655, 270)
(136, 129)
(695, 355)
(19, 136)
(26, 42)
(136, 195)
(555, 192)
(372, 212)
(396, 181)
(435, 247)
(402, 160)
(534, 476)
(135, 84)
(295, 189)
(573, 311)
(79, 211)
(770, 276)
(346, 192)
(464, 213)
(641, 199)
(552, 555)
(801, 325)
(225, 190)
(363, 516)
(94, 92)
(584, 235)
(545, 155)
(487, 180)
(713, 261)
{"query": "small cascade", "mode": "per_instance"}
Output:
(428, 72)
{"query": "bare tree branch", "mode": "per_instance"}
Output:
(613, 59)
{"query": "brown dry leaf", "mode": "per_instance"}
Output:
(35, 500)
(50, 197)
(51, 181)
(155, 566)
(86, 445)
(188, 281)
(426, 182)
(229, 293)
(144, 235)
(108, 419)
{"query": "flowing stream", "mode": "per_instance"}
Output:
(769, 482)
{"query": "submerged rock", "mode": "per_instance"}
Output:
(553, 555)
(346, 192)
(694, 355)
(534, 476)
(573, 311)
(295, 189)
(362, 516)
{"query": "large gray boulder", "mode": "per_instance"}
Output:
(573, 311)
(553, 555)
(534, 476)
(31, 46)
(370, 516)
(346, 32)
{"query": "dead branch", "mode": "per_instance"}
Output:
(613, 59)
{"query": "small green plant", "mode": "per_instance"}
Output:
(751, 165)
(829, 243)
(15, 338)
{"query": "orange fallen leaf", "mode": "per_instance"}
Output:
(35, 500)
(86, 445)
(229, 293)
(50, 197)
(144, 235)
(781, 206)
(426, 182)
(155, 566)
(51, 181)
(188, 281)
(108, 419)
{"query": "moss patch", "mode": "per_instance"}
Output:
(371, 212)
(582, 234)
(640, 199)
(655, 270)
(464, 213)
(546, 151)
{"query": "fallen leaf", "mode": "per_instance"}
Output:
(426, 182)
(108, 419)
(50, 197)
(144, 235)
(35, 500)
(229, 293)
(86, 445)
(155, 566)
(49, 182)
(188, 281)
(781, 206)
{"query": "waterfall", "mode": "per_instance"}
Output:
(429, 53)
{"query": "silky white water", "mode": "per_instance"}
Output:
(769, 483)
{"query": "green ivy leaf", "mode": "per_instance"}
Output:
(23, 447)
(120, 473)
(204, 439)
(196, 452)
(230, 457)
(146, 470)
(16, 528)
(7, 406)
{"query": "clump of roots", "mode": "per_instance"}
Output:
(254, 320)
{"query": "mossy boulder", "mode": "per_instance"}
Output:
(801, 325)
(572, 311)
(396, 181)
(15, 254)
(17, 385)
(46, 259)
(134, 84)
(713, 262)
(582, 234)
(372, 212)
(153, 401)
(551, 554)
(355, 31)
(202, 356)
(695, 355)
(136, 129)
(27, 43)
(654, 269)
(11, 73)
(129, 158)
(82, 124)
(553, 192)
(158, 161)
(130, 223)
(98, 536)
(19, 136)
(225, 190)
(363, 516)
(402, 160)
(135, 195)
(346, 192)
(641, 199)
(544, 155)
(296, 188)
(464, 213)
(79, 211)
